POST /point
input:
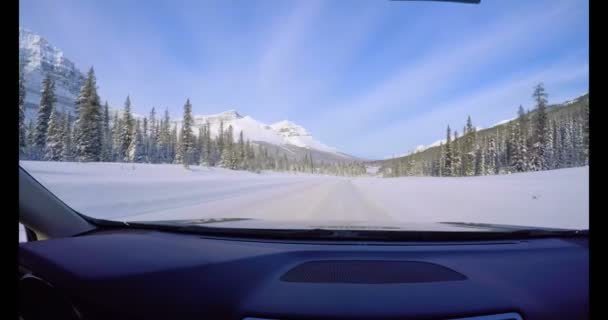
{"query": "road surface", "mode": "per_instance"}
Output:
(317, 199)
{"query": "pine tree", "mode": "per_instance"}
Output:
(47, 100)
(491, 161)
(556, 144)
(228, 154)
(146, 140)
(30, 140)
(54, 137)
(136, 149)
(447, 162)
(585, 125)
(221, 138)
(106, 153)
(207, 145)
(22, 133)
(89, 133)
(240, 158)
(173, 145)
(518, 154)
(164, 139)
(186, 147)
(153, 139)
(127, 131)
(117, 125)
(68, 149)
(457, 159)
(539, 140)
(468, 152)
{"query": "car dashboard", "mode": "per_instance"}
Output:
(150, 274)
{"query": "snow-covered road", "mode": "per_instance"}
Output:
(128, 192)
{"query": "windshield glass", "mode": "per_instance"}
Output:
(381, 115)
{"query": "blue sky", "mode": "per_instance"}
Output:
(369, 77)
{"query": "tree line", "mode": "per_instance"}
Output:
(531, 142)
(92, 134)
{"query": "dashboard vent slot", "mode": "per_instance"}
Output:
(370, 272)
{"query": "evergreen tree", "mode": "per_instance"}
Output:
(164, 139)
(136, 149)
(187, 143)
(153, 139)
(47, 100)
(116, 137)
(468, 153)
(54, 137)
(207, 145)
(456, 162)
(145, 139)
(22, 133)
(228, 154)
(539, 140)
(220, 138)
(106, 154)
(492, 159)
(68, 149)
(30, 140)
(173, 144)
(241, 157)
(127, 131)
(518, 163)
(447, 155)
(89, 133)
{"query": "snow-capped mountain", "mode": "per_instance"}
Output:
(283, 136)
(39, 58)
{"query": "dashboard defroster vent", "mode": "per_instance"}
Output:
(370, 272)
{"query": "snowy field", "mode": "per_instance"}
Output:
(131, 192)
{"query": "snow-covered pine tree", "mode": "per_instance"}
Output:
(153, 139)
(492, 158)
(229, 153)
(207, 145)
(456, 158)
(54, 137)
(164, 139)
(136, 149)
(127, 131)
(539, 139)
(106, 152)
(517, 158)
(22, 133)
(556, 144)
(468, 153)
(47, 101)
(549, 151)
(89, 134)
(585, 120)
(68, 148)
(30, 140)
(186, 148)
(241, 157)
(441, 159)
(146, 139)
(173, 144)
(220, 138)
(116, 134)
(447, 155)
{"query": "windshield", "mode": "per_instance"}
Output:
(375, 115)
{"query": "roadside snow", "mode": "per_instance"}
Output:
(129, 192)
